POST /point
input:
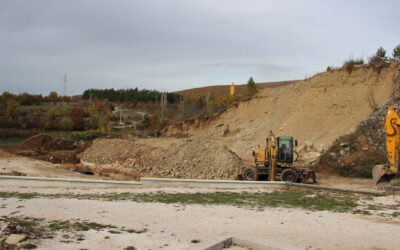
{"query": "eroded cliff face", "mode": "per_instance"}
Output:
(317, 110)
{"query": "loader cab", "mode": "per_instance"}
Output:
(285, 149)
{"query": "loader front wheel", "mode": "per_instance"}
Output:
(289, 175)
(250, 174)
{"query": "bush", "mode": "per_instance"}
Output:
(66, 123)
(381, 52)
(145, 123)
(349, 64)
(396, 52)
(87, 135)
(76, 114)
(377, 63)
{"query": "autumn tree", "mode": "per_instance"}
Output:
(77, 116)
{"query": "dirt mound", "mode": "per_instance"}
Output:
(196, 157)
(45, 148)
(43, 142)
(115, 151)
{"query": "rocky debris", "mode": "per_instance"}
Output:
(195, 157)
(116, 152)
(352, 155)
(373, 127)
(308, 153)
(14, 239)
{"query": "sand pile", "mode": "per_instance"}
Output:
(196, 157)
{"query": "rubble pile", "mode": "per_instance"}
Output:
(196, 157)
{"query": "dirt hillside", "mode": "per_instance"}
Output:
(317, 110)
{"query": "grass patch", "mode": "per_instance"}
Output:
(22, 221)
(76, 226)
(289, 199)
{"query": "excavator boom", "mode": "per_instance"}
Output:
(383, 174)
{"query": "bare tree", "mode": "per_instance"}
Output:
(371, 99)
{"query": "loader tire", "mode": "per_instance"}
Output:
(250, 174)
(289, 175)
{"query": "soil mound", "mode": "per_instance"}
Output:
(45, 148)
(42, 142)
(196, 157)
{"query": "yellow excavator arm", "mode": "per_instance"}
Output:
(384, 173)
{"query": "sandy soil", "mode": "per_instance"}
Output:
(319, 110)
(173, 226)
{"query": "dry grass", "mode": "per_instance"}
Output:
(223, 90)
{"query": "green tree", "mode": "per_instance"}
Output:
(396, 52)
(251, 87)
(381, 52)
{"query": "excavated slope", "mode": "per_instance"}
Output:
(318, 110)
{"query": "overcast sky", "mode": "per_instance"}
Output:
(178, 44)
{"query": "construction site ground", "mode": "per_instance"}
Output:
(10, 162)
(115, 219)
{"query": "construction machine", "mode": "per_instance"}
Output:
(275, 161)
(383, 174)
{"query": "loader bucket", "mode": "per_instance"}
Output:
(381, 175)
(310, 177)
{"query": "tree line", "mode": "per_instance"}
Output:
(129, 95)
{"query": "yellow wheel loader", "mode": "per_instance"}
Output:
(383, 174)
(275, 161)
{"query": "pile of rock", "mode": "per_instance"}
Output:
(195, 157)
(308, 153)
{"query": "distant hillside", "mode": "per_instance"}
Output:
(223, 90)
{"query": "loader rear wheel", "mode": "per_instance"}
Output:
(289, 175)
(250, 174)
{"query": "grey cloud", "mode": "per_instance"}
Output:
(176, 44)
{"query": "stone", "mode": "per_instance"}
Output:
(365, 148)
(14, 239)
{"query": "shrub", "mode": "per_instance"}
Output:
(396, 52)
(377, 63)
(145, 123)
(66, 123)
(381, 52)
(87, 135)
(76, 115)
(349, 64)
(329, 68)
